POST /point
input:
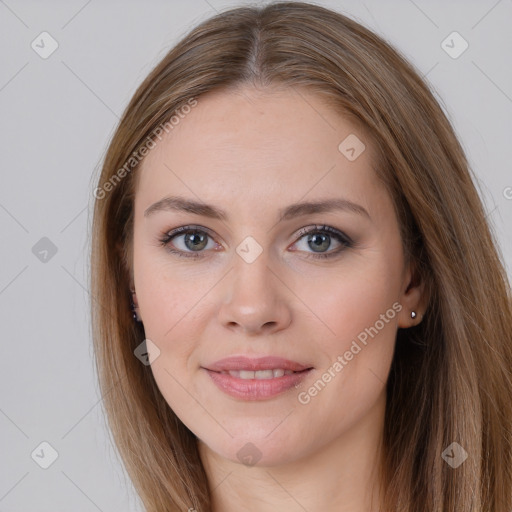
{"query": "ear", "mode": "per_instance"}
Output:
(135, 305)
(414, 297)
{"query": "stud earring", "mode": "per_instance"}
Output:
(413, 314)
(134, 312)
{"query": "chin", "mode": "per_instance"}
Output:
(258, 450)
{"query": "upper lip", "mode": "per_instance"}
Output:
(255, 364)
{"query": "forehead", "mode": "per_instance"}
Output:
(250, 147)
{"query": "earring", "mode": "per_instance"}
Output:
(413, 314)
(134, 312)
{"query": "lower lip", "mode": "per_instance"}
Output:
(255, 389)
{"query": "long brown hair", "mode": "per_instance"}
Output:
(450, 379)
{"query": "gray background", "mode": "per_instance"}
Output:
(58, 115)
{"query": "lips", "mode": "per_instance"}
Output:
(243, 363)
(260, 378)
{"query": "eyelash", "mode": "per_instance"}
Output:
(346, 242)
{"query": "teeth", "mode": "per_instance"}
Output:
(260, 374)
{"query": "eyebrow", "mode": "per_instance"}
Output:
(175, 203)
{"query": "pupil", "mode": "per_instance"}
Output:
(195, 239)
(319, 239)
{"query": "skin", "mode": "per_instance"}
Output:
(252, 152)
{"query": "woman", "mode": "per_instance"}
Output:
(321, 319)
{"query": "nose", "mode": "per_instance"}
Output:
(254, 299)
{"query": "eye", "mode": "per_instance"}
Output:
(320, 237)
(195, 239)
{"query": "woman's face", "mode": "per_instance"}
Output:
(255, 282)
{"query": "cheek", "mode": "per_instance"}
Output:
(356, 359)
(173, 320)
(360, 309)
(169, 293)
(355, 300)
